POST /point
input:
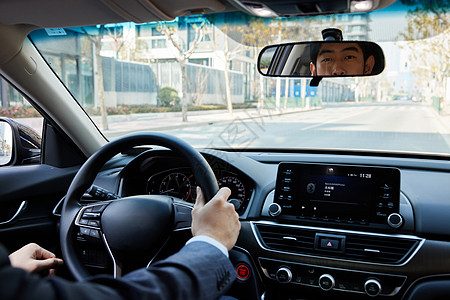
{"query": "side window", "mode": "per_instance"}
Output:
(20, 128)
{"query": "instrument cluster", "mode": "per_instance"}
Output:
(181, 183)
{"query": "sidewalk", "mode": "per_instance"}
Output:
(124, 124)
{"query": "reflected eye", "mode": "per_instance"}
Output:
(348, 57)
(327, 59)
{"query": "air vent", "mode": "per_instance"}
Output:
(358, 247)
(288, 239)
(379, 249)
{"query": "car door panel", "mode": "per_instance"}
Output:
(27, 198)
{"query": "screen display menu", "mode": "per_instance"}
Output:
(339, 193)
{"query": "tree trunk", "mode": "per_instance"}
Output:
(228, 89)
(101, 89)
(227, 78)
(184, 99)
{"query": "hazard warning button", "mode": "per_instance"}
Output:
(330, 244)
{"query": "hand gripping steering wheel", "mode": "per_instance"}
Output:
(133, 229)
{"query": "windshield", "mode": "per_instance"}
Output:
(196, 77)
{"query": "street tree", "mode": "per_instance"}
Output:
(426, 35)
(99, 36)
(95, 34)
(184, 50)
(229, 49)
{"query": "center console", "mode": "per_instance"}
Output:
(324, 217)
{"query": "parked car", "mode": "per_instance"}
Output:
(342, 192)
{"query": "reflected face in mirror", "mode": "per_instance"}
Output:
(321, 58)
(340, 59)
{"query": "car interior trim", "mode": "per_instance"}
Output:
(336, 231)
(117, 273)
(16, 214)
(425, 279)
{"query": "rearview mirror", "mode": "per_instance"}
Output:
(324, 58)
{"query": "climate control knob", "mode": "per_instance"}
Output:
(326, 282)
(274, 209)
(372, 287)
(395, 220)
(284, 275)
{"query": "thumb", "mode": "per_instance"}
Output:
(50, 263)
(200, 201)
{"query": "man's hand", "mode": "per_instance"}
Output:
(35, 259)
(216, 219)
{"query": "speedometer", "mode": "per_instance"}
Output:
(235, 185)
(177, 185)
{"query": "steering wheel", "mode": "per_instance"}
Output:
(133, 229)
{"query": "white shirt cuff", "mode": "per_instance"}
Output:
(209, 240)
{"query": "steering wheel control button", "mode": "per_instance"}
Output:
(372, 287)
(395, 220)
(85, 231)
(243, 272)
(90, 215)
(326, 282)
(93, 223)
(83, 222)
(284, 275)
(95, 234)
(274, 209)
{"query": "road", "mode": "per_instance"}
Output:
(396, 126)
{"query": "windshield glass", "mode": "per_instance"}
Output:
(196, 77)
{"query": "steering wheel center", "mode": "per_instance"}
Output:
(137, 223)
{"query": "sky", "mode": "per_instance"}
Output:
(388, 22)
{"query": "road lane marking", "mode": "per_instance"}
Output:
(334, 120)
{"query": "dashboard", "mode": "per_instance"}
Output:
(164, 173)
(315, 225)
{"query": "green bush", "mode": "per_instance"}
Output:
(168, 96)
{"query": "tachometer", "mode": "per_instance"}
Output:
(235, 185)
(176, 185)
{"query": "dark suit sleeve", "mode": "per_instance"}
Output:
(198, 271)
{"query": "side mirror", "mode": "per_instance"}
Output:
(322, 58)
(6, 143)
(20, 144)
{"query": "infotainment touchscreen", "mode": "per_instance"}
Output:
(340, 193)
